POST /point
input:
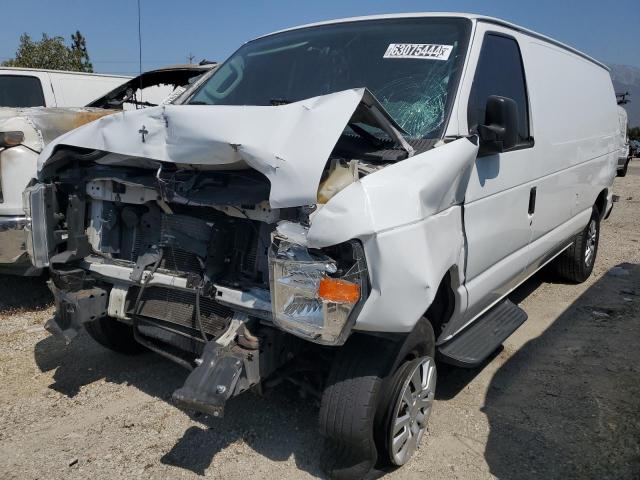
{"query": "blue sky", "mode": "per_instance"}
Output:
(609, 31)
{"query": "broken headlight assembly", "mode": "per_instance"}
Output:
(317, 295)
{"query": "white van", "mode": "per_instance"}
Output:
(338, 205)
(624, 155)
(30, 87)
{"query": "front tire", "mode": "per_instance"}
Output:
(363, 399)
(576, 263)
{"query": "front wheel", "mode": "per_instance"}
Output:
(414, 389)
(377, 401)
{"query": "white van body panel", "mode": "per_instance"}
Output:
(74, 90)
(572, 114)
(68, 89)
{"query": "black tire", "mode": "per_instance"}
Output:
(114, 335)
(572, 264)
(356, 399)
(623, 172)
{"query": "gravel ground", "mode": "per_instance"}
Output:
(560, 400)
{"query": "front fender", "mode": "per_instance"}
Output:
(398, 195)
(409, 218)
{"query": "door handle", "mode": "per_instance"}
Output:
(532, 200)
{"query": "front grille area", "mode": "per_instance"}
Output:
(178, 307)
(177, 260)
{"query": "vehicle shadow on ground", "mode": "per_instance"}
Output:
(24, 293)
(279, 425)
(566, 404)
(452, 380)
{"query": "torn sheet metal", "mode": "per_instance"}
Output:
(289, 144)
(400, 194)
(411, 206)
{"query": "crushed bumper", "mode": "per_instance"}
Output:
(214, 381)
(74, 309)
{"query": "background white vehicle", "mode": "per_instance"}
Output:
(30, 87)
(624, 157)
(336, 205)
(25, 131)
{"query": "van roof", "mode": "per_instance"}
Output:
(21, 69)
(470, 16)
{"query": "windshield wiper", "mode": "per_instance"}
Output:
(367, 136)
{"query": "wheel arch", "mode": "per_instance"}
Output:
(601, 202)
(445, 301)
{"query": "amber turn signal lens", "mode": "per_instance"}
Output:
(338, 291)
(11, 139)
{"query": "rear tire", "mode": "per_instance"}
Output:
(623, 171)
(114, 335)
(362, 389)
(575, 264)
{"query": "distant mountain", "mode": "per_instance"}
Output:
(627, 79)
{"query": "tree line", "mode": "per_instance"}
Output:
(52, 53)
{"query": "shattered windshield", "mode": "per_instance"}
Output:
(411, 65)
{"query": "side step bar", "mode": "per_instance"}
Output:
(474, 344)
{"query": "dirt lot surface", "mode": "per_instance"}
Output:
(561, 400)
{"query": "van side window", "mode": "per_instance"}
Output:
(21, 91)
(499, 72)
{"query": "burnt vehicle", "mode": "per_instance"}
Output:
(331, 207)
(24, 132)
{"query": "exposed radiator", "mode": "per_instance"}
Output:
(178, 307)
(178, 260)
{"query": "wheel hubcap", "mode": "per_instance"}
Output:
(592, 237)
(412, 410)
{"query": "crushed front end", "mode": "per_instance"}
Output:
(195, 264)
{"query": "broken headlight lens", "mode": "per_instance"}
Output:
(311, 296)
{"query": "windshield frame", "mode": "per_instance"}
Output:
(454, 82)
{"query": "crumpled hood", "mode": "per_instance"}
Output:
(289, 144)
(41, 125)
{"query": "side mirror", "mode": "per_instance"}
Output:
(500, 129)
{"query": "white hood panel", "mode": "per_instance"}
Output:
(289, 144)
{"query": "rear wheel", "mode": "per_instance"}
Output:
(576, 263)
(114, 335)
(623, 172)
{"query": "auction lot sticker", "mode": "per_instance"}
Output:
(418, 50)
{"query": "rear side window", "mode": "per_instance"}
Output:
(20, 91)
(499, 72)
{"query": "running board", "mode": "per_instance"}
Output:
(474, 344)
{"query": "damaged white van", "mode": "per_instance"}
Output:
(338, 205)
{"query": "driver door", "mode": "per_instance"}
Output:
(497, 211)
